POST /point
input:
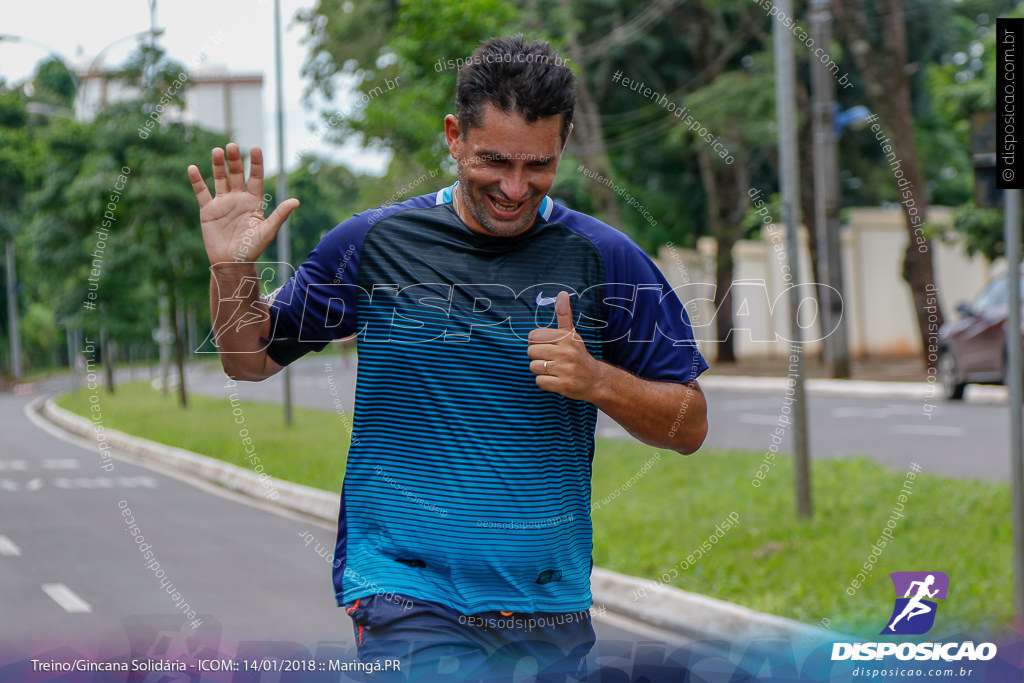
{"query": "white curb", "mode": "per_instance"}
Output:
(305, 499)
(692, 614)
(855, 388)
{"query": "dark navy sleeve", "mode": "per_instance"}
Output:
(319, 302)
(647, 331)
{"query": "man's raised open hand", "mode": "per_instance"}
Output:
(234, 228)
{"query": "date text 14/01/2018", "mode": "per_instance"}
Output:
(286, 665)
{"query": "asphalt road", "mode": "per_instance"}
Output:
(243, 569)
(956, 439)
(74, 579)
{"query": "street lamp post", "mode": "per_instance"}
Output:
(785, 109)
(826, 198)
(284, 235)
(1012, 237)
(12, 312)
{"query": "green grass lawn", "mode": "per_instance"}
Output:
(299, 454)
(770, 561)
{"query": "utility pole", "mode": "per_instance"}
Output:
(996, 151)
(72, 353)
(164, 337)
(785, 112)
(284, 245)
(826, 198)
(1014, 377)
(151, 67)
(12, 312)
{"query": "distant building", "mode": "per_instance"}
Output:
(227, 103)
(215, 99)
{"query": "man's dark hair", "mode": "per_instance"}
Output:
(529, 79)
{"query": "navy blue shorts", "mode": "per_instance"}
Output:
(433, 642)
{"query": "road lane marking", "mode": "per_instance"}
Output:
(30, 410)
(928, 430)
(874, 412)
(60, 464)
(38, 483)
(105, 482)
(751, 419)
(66, 598)
(8, 548)
(751, 404)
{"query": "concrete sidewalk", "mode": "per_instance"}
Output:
(875, 368)
(878, 377)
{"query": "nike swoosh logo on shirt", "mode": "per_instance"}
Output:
(547, 301)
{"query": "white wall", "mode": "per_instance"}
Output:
(878, 310)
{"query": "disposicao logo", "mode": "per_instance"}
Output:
(913, 614)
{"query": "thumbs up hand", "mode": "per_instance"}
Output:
(560, 359)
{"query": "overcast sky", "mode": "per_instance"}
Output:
(78, 31)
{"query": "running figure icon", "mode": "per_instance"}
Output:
(915, 607)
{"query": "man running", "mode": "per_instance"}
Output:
(492, 325)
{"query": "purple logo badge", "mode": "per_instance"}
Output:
(916, 596)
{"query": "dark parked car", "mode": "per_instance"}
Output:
(972, 350)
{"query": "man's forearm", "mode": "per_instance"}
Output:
(241, 321)
(661, 414)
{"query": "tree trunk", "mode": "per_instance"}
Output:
(179, 345)
(587, 136)
(726, 350)
(109, 358)
(727, 203)
(107, 351)
(806, 135)
(886, 81)
(724, 273)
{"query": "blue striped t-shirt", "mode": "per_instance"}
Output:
(467, 485)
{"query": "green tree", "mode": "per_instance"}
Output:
(19, 153)
(329, 194)
(396, 54)
(673, 56)
(55, 84)
(708, 58)
(742, 107)
(891, 71)
(624, 137)
(961, 87)
(112, 215)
